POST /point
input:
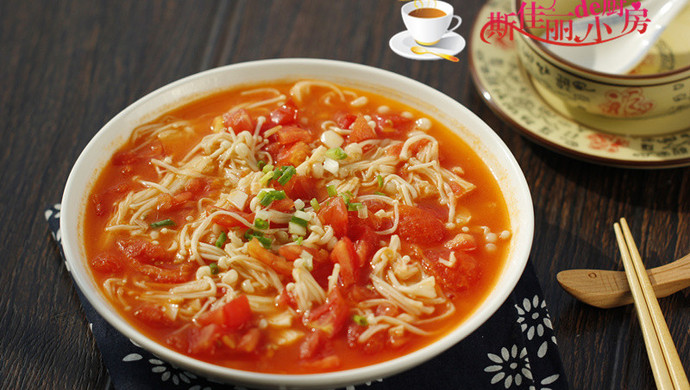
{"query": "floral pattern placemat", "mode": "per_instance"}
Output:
(515, 349)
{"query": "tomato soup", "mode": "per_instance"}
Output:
(295, 227)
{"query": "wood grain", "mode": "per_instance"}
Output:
(69, 66)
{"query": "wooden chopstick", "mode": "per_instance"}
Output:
(663, 357)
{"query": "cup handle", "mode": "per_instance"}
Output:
(459, 19)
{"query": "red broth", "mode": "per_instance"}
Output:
(137, 270)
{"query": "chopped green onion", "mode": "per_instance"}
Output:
(287, 173)
(265, 241)
(360, 320)
(298, 240)
(268, 176)
(267, 168)
(331, 190)
(354, 206)
(221, 239)
(260, 223)
(162, 223)
(315, 204)
(379, 193)
(214, 268)
(261, 164)
(250, 233)
(336, 154)
(267, 197)
(299, 221)
(379, 179)
(347, 196)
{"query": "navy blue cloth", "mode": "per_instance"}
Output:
(515, 349)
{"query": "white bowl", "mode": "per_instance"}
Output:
(452, 114)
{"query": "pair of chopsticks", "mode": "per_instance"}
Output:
(663, 357)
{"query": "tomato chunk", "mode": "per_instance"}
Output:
(143, 152)
(238, 120)
(278, 263)
(153, 315)
(106, 262)
(331, 316)
(334, 213)
(361, 131)
(420, 226)
(344, 253)
(231, 316)
(291, 134)
(344, 119)
(456, 277)
(294, 155)
(285, 114)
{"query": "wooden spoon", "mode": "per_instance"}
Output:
(421, 50)
(606, 289)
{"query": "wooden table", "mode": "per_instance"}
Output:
(69, 66)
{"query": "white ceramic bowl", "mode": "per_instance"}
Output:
(465, 124)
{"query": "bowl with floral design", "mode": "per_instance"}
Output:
(654, 98)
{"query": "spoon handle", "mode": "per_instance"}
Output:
(606, 289)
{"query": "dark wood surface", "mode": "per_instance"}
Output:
(67, 67)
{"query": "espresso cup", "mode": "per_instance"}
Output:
(428, 21)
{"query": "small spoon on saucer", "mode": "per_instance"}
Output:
(421, 50)
(622, 54)
(607, 289)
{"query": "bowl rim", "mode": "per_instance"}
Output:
(602, 77)
(73, 202)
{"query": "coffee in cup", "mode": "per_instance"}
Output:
(429, 22)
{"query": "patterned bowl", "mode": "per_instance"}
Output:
(652, 99)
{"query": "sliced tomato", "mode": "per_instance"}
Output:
(290, 134)
(249, 341)
(301, 187)
(334, 213)
(285, 299)
(167, 202)
(107, 262)
(331, 316)
(312, 344)
(374, 344)
(344, 253)
(153, 261)
(197, 186)
(419, 226)
(278, 263)
(228, 221)
(456, 277)
(102, 202)
(361, 131)
(153, 315)
(285, 114)
(144, 252)
(237, 313)
(284, 205)
(462, 241)
(365, 240)
(232, 316)
(143, 152)
(294, 155)
(238, 120)
(344, 119)
(203, 340)
(393, 125)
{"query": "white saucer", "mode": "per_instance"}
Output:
(450, 43)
